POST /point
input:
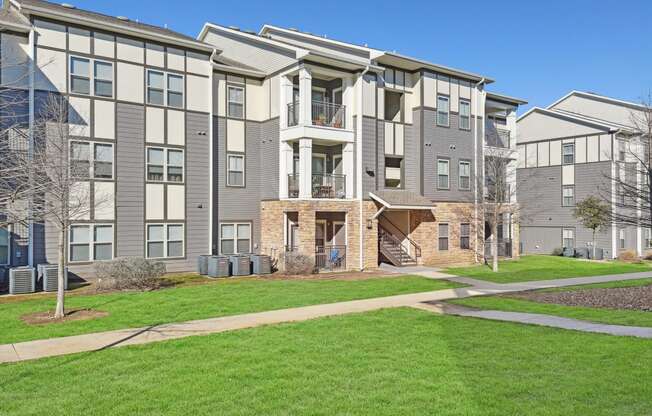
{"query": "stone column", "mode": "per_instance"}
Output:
(307, 229)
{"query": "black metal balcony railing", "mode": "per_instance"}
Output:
(497, 138)
(323, 186)
(323, 114)
(330, 257)
(503, 245)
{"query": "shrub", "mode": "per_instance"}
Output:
(297, 263)
(648, 255)
(628, 256)
(557, 251)
(129, 273)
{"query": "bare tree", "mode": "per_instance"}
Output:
(52, 174)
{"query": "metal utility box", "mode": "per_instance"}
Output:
(240, 265)
(569, 252)
(22, 280)
(582, 253)
(202, 265)
(261, 264)
(217, 266)
(599, 254)
(48, 274)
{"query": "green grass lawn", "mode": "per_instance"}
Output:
(603, 315)
(388, 362)
(219, 298)
(529, 268)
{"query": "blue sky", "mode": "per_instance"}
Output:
(536, 50)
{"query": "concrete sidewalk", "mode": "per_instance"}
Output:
(98, 341)
(538, 319)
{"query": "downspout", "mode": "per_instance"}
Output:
(211, 157)
(32, 67)
(358, 157)
(475, 156)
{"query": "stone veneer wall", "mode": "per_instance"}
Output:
(272, 228)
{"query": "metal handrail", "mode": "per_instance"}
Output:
(293, 185)
(327, 185)
(330, 257)
(496, 137)
(417, 247)
(293, 114)
(387, 238)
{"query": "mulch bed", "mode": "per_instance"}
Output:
(634, 298)
(41, 318)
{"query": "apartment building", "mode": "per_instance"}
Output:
(270, 142)
(576, 148)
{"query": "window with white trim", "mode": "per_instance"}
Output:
(91, 160)
(235, 238)
(443, 173)
(465, 175)
(443, 237)
(164, 165)
(465, 114)
(236, 174)
(90, 242)
(235, 101)
(465, 236)
(568, 238)
(621, 238)
(165, 241)
(568, 196)
(83, 80)
(442, 111)
(4, 246)
(164, 89)
(568, 153)
(647, 232)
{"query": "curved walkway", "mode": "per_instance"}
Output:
(98, 341)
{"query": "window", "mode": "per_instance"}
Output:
(90, 242)
(235, 102)
(568, 196)
(442, 111)
(465, 233)
(443, 237)
(165, 240)
(4, 246)
(621, 151)
(160, 92)
(81, 80)
(568, 236)
(235, 238)
(568, 153)
(465, 115)
(164, 165)
(442, 173)
(393, 172)
(465, 175)
(621, 238)
(648, 237)
(235, 174)
(86, 163)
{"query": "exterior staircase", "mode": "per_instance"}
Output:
(392, 248)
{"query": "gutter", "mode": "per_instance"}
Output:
(359, 163)
(32, 68)
(475, 154)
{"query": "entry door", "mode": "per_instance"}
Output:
(337, 165)
(337, 96)
(320, 234)
(294, 236)
(339, 234)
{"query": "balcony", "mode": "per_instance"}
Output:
(499, 138)
(323, 186)
(324, 114)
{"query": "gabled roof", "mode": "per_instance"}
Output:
(74, 15)
(565, 115)
(597, 97)
(401, 199)
(505, 98)
(12, 20)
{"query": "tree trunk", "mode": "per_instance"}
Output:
(59, 311)
(494, 249)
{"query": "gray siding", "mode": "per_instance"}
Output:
(369, 149)
(269, 158)
(446, 142)
(412, 158)
(130, 176)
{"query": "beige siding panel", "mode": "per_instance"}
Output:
(555, 152)
(154, 202)
(14, 71)
(235, 133)
(79, 40)
(131, 50)
(197, 63)
(537, 126)
(198, 93)
(410, 101)
(274, 87)
(219, 92)
(521, 156)
(531, 155)
(568, 175)
(50, 34)
(369, 97)
(580, 150)
(455, 95)
(592, 149)
(543, 154)
(257, 100)
(443, 84)
(176, 59)
(429, 90)
(176, 202)
(51, 70)
(131, 82)
(155, 55)
(104, 45)
(389, 138)
(398, 140)
(79, 116)
(155, 125)
(416, 89)
(605, 147)
(465, 90)
(104, 200)
(104, 119)
(176, 127)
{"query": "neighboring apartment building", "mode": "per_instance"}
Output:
(348, 154)
(573, 149)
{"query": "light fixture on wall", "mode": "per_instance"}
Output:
(370, 223)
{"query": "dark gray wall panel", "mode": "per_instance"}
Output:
(368, 155)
